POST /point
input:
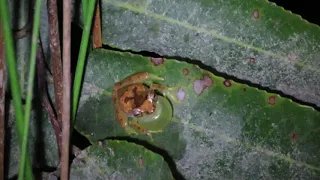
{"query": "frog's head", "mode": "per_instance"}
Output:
(144, 104)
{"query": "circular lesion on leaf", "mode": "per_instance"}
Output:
(185, 71)
(272, 100)
(256, 14)
(252, 59)
(227, 83)
(293, 137)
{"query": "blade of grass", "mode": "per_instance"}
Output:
(84, 9)
(2, 103)
(35, 36)
(66, 89)
(13, 78)
(81, 58)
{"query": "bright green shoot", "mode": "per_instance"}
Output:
(14, 81)
(84, 8)
(35, 35)
(82, 55)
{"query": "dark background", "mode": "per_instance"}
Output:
(307, 9)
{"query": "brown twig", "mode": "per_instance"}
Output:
(2, 102)
(96, 35)
(56, 56)
(66, 87)
(42, 84)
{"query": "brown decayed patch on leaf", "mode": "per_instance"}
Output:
(157, 61)
(185, 71)
(292, 56)
(207, 81)
(244, 89)
(272, 100)
(197, 86)
(200, 84)
(293, 137)
(252, 60)
(227, 83)
(180, 94)
(256, 14)
(140, 162)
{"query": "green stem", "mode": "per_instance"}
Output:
(35, 35)
(84, 8)
(81, 59)
(13, 78)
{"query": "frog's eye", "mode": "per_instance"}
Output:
(152, 96)
(136, 112)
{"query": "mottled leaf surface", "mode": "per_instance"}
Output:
(252, 40)
(42, 144)
(225, 131)
(119, 160)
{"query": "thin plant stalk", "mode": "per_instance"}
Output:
(81, 57)
(2, 103)
(13, 78)
(55, 44)
(35, 36)
(84, 9)
(66, 110)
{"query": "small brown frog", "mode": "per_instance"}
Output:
(150, 112)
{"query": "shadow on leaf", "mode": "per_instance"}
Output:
(175, 173)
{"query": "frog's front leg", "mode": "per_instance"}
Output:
(121, 116)
(165, 91)
(139, 77)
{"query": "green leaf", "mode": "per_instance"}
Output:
(42, 143)
(228, 131)
(119, 160)
(253, 40)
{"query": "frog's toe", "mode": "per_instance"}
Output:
(150, 136)
(155, 77)
(131, 131)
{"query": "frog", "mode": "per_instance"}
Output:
(147, 104)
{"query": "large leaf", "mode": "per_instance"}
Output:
(41, 142)
(119, 160)
(253, 40)
(226, 131)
